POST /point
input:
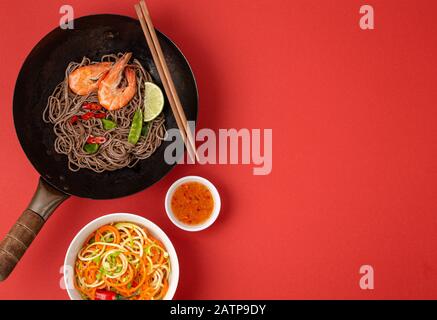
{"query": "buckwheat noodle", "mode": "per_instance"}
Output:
(116, 152)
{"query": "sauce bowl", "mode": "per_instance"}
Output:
(215, 212)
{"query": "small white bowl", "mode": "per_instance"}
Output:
(214, 214)
(76, 245)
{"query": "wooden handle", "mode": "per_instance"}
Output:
(45, 200)
(18, 239)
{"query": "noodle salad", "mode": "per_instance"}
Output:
(122, 261)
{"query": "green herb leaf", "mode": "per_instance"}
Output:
(97, 259)
(108, 124)
(147, 250)
(145, 129)
(91, 148)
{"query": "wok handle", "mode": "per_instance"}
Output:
(13, 246)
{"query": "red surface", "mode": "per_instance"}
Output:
(354, 146)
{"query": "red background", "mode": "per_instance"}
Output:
(354, 145)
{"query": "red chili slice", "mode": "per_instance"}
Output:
(105, 295)
(92, 106)
(100, 115)
(91, 139)
(87, 116)
(98, 140)
(74, 119)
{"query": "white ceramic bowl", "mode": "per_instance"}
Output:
(76, 245)
(215, 195)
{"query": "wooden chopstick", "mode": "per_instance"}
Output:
(167, 81)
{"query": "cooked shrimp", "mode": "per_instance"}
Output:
(111, 96)
(86, 79)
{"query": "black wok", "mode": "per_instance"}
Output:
(93, 36)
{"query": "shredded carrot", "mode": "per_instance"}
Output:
(105, 229)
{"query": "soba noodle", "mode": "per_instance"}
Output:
(116, 152)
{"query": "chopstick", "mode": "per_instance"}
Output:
(167, 81)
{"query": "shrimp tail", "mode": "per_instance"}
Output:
(115, 74)
(110, 95)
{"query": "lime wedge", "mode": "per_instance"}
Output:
(153, 101)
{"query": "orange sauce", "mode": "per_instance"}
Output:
(192, 203)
